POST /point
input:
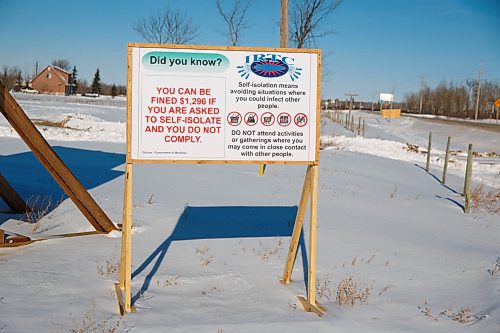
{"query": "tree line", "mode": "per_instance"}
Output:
(455, 100)
(13, 79)
(308, 23)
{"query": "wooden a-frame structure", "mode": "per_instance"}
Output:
(52, 162)
(309, 195)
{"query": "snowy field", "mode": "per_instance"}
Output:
(210, 241)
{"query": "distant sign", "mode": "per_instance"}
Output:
(193, 104)
(497, 103)
(385, 97)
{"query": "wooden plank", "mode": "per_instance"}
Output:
(127, 240)
(429, 146)
(136, 161)
(311, 289)
(121, 304)
(124, 243)
(318, 107)
(10, 196)
(468, 175)
(51, 161)
(446, 159)
(18, 244)
(317, 308)
(297, 228)
(78, 234)
(129, 103)
(119, 297)
(224, 48)
(68, 235)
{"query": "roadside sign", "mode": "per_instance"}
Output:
(222, 104)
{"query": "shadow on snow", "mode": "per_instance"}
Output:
(224, 222)
(37, 187)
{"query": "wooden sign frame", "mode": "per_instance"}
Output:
(219, 48)
(309, 191)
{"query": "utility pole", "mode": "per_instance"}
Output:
(478, 90)
(422, 83)
(392, 101)
(283, 43)
(284, 24)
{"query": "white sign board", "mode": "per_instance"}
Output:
(385, 97)
(193, 104)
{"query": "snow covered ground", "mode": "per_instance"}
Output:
(210, 241)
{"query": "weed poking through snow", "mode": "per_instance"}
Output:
(495, 270)
(91, 323)
(488, 200)
(349, 294)
(169, 281)
(40, 207)
(205, 258)
(111, 267)
(323, 289)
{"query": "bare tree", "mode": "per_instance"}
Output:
(169, 26)
(308, 18)
(234, 18)
(61, 63)
(11, 77)
(455, 100)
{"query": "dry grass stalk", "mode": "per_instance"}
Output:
(488, 200)
(494, 270)
(150, 200)
(204, 258)
(89, 324)
(427, 311)
(268, 253)
(110, 268)
(464, 316)
(213, 290)
(323, 288)
(172, 281)
(412, 148)
(348, 293)
(393, 194)
(40, 207)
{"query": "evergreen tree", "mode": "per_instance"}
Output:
(113, 90)
(74, 81)
(96, 83)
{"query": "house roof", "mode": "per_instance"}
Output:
(57, 71)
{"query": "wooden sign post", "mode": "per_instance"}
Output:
(226, 105)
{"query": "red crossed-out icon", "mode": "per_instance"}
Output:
(267, 119)
(251, 118)
(284, 119)
(300, 119)
(234, 118)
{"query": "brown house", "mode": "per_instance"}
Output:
(53, 80)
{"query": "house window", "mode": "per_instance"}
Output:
(49, 75)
